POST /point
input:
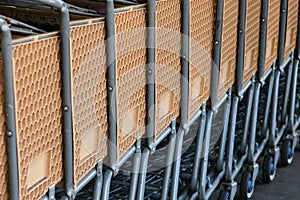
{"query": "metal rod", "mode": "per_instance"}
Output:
(111, 82)
(134, 175)
(197, 157)
(10, 118)
(293, 95)
(220, 159)
(87, 178)
(230, 144)
(169, 161)
(215, 72)
(106, 184)
(150, 71)
(282, 33)
(287, 90)
(143, 173)
(262, 39)
(253, 123)
(204, 154)
(241, 48)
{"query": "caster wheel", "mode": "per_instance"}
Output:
(269, 169)
(287, 154)
(246, 186)
(224, 195)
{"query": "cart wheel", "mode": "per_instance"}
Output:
(287, 154)
(269, 169)
(224, 195)
(246, 186)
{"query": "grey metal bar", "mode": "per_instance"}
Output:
(253, 123)
(230, 144)
(241, 48)
(274, 110)
(150, 71)
(297, 49)
(287, 91)
(247, 119)
(293, 95)
(214, 185)
(269, 99)
(126, 156)
(10, 118)
(220, 159)
(163, 135)
(98, 181)
(196, 116)
(261, 148)
(111, 82)
(143, 173)
(282, 33)
(85, 180)
(169, 160)
(262, 40)
(215, 73)
(239, 166)
(204, 154)
(135, 175)
(197, 157)
(106, 184)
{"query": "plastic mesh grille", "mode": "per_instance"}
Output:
(251, 39)
(201, 34)
(131, 80)
(229, 45)
(167, 71)
(88, 97)
(3, 155)
(291, 30)
(272, 33)
(37, 79)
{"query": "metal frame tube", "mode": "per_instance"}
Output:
(150, 71)
(282, 33)
(248, 116)
(197, 157)
(204, 154)
(106, 184)
(293, 95)
(287, 91)
(226, 117)
(241, 48)
(215, 72)
(134, 175)
(111, 82)
(262, 40)
(231, 136)
(169, 161)
(10, 119)
(143, 173)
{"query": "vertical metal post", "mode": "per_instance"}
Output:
(111, 82)
(230, 144)
(262, 39)
(150, 73)
(143, 172)
(220, 159)
(293, 95)
(282, 33)
(204, 156)
(184, 90)
(106, 184)
(135, 170)
(197, 159)
(253, 123)
(169, 161)
(249, 110)
(287, 90)
(215, 72)
(98, 181)
(10, 120)
(241, 48)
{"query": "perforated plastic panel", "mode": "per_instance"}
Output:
(130, 76)
(251, 39)
(291, 29)
(201, 33)
(37, 83)
(89, 97)
(229, 45)
(272, 33)
(3, 155)
(167, 71)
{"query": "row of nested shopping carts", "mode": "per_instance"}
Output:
(168, 99)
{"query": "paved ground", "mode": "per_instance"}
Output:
(286, 185)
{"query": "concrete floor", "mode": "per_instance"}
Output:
(286, 186)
